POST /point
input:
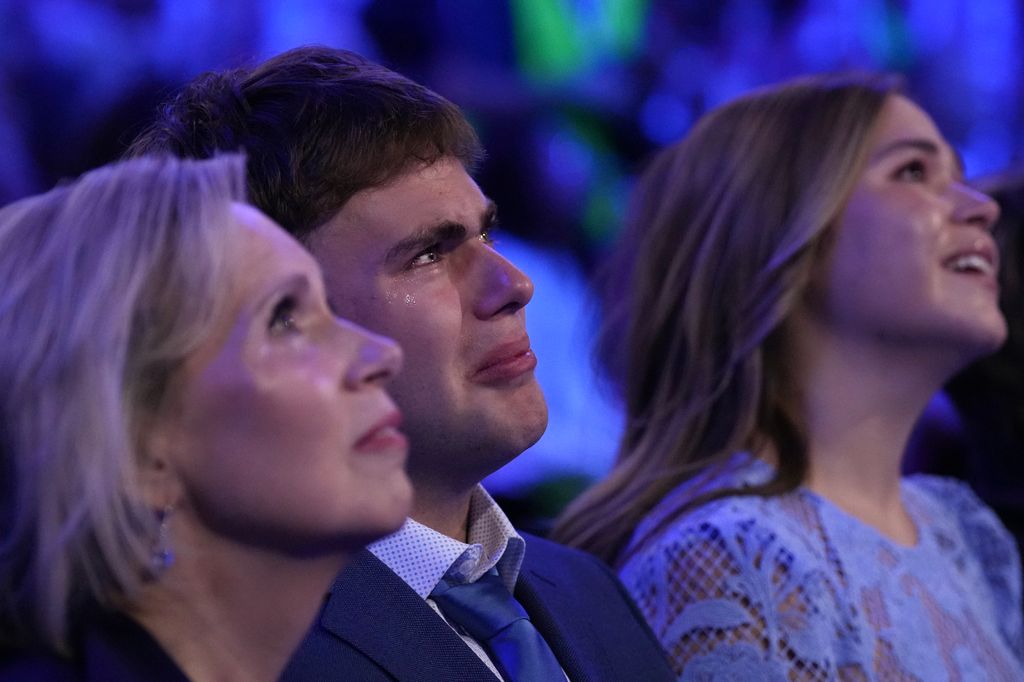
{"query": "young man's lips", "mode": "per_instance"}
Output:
(384, 435)
(506, 362)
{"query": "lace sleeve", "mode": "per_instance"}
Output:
(729, 600)
(993, 547)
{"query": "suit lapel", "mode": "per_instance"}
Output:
(373, 610)
(551, 607)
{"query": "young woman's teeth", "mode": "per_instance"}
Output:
(972, 263)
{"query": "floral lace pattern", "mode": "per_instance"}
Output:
(793, 588)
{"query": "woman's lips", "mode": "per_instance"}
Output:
(978, 260)
(383, 436)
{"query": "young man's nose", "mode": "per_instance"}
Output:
(502, 287)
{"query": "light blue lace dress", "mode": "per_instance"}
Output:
(793, 588)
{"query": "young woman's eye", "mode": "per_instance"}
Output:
(282, 319)
(487, 237)
(914, 171)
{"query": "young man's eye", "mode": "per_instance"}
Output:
(914, 171)
(426, 257)
(487, 237)
(282, 318)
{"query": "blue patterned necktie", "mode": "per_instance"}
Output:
(489, 613)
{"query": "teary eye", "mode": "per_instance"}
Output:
(426, 256)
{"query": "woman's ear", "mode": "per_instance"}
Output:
(159, 444)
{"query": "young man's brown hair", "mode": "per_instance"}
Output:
(318, 125)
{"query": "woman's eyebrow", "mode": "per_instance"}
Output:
(921, 144)
(298, 283)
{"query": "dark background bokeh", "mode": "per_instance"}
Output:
(570, 97)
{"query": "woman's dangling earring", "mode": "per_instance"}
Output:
(163, 554)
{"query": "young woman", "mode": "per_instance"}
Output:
(192, 444)
(804, 271)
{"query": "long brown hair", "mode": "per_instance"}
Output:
(724, 230)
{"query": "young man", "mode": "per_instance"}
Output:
(371, 172)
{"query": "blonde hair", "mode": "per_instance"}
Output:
(724, 230)
(106, 284)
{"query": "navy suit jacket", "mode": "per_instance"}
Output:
(375, 627)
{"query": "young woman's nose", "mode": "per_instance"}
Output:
(972, 207)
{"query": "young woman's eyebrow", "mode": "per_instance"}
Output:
(924, 145)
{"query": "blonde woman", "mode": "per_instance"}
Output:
(192, 444)
(804, 271)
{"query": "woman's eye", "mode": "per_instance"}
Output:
(915, 171)
(487, 237)
(282, 319)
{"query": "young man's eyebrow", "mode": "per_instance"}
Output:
(445, 231)
(923, 145)
(425, 237)
(490, 215)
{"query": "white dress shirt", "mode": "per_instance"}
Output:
(421, 556)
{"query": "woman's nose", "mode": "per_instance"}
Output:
(973, 207)
(377, 358)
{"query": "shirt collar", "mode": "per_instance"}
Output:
(421, 556)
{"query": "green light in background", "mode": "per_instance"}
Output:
(607, 193)
(559, 39)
